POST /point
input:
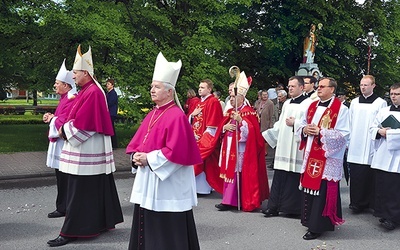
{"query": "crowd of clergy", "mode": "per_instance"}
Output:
(313, 136)
(308, 136)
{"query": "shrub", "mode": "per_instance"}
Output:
(20, 119)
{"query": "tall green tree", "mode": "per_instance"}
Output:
(383, 18)
(26, 60)
(263, 38)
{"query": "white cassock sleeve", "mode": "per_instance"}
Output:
(393, 139)
(160, 165)
(53, 132)
(271, 135)
(373, 131)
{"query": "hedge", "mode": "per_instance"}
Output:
(20, 110)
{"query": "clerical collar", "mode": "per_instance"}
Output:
(310, 93)
(369, 99)
(164, 105)
(325, 103)
(299, 98)
(394, 108)
(366, 97)
(203, 98)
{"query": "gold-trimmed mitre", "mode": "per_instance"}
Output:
(243, 84)
(84, 62)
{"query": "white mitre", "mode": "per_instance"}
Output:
(84, 62)
(66, 76)
(243, 84)
(165, 71)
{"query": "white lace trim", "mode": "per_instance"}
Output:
(333, 168)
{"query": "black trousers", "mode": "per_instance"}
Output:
(153, 230)
(62, 187)
(387, 196)
(114, 141)
(92, 205)
(362, 185)
(285, 195)
(312, 208)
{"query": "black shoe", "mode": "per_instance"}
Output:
(292, 216)
(311, 236)
(223, 207)
(270, 213)
(203, 195)
(356, 209)
(60, 241)
(389, 225)
(55, 214)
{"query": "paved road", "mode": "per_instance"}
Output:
(27, 193)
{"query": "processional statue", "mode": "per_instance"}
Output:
(308, 67)
(310, 42)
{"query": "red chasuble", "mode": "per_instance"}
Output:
(166, 128)
(191, 104)
(254, 179)
(90, 111)
(210, 116)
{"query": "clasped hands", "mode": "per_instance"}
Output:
(229, 127)
(232, 127)
(47, 117)
(311, 129)
(290, 121)
(140, 159)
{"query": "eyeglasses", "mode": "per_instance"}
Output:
(321, 86)
(396, 94)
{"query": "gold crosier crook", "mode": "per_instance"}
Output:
(234, 71)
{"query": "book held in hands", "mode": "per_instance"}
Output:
(391, 122)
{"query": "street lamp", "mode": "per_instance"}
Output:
(371, 40)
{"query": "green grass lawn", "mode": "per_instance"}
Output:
(33, 137)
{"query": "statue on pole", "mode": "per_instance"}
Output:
(308, 67)
(310, 42)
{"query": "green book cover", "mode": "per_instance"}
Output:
(391, 122)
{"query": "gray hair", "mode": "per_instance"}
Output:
(168, 86)
(282, 92)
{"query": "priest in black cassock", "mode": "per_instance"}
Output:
(324, 133)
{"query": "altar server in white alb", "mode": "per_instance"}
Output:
(92, 201)
(164, 151)
(386, 163)
(285, 195)
(362, 112)
(65, 87)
